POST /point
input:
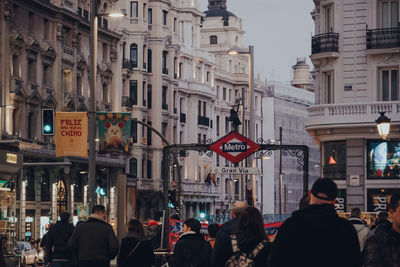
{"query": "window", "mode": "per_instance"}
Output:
(213, 39)
(175, 23)
(149, 61)
(149, 135)
(134, 9)
(143, 167)
(149, 96)
(329, 89)
(164, 126)
(150, 15)
(181, 70)
(149, 169)
(389, 85)
(226, 124)
(328, 11)
(199, 108)
(31, 70)
(45, 186)
(334, 160)
(79, 87)
(164, 17)
(133, 167)
(47, 74)
(389, 14)
(204, 109)
(144, 56)
(164, 62)
(46, 29)
(67, 81)
(224, 93)
(134, 132)
(217, 126)
(105, 51)
(106, 93)
(15, 66)
(133, 91)
(144, 94)
(164, 97)
(134, 54)
(199, 138)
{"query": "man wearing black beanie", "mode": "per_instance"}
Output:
(315, 236)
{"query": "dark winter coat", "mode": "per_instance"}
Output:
(143, 256)
(94, 240)
(192, 250)
(383, 248)
(222, 250)
(315, 236)
(58, 237)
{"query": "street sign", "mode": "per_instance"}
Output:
(234, 147)
(235, 170)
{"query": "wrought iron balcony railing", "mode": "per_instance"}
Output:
(326, 42)
(129, 64)
(383, 38)
(203, 121)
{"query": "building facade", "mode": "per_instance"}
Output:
(44, 64)
(356, 71)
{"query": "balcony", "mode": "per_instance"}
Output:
(129, 64)
(325, 45)
(190, 188)
(203, 121)
(182, 118)
(149, 184)
(383, 38)
(342, 115)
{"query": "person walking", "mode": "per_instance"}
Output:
(94, 241)
(380, 221)
(57, 241)
(212, 232)
(192, 250)
(250, 243)
(316, 236)
(135, 250)
(383, 248)
(221, 252)
(361, 229)
(153, 232)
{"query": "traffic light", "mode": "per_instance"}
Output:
(172, 199)
(101, 183)
(202, 214)
(48, 121)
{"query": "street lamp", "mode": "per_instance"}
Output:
(92, 106)
(234, 51)
(383, 125)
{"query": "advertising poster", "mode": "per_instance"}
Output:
(175, 229)
(83, 212)
(114, 131)
(71, 134)
(340, 204)
(377, 199)
(383, 161)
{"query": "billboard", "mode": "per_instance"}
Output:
(71, 134)
(378, 199)
(383, 161)
(114, 131)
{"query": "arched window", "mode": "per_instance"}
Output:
(134, 55)
(133, 167)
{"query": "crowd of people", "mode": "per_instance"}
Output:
(313, 236)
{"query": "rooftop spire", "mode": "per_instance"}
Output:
(216, 4)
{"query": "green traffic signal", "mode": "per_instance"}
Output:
(48, 121)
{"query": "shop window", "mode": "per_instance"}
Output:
(383, 159)
(334, 166)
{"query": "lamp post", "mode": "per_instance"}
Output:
(233, 52)
(92, 105)
(383, 125)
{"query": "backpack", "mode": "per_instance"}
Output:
(242, 259)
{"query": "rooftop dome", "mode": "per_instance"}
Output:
(217, 8)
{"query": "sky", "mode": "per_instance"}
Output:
(280, 31)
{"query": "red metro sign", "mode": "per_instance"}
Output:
(234, 147)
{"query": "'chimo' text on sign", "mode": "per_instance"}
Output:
(71, 127)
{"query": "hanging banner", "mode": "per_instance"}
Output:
(114, 131)
(71, 134)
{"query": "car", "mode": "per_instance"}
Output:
(29, 254)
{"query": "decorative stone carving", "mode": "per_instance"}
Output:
(114, 52)
(389, 59)
(59, 32)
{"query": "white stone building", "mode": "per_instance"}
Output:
(356, 69)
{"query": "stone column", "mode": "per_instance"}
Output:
(38, 188)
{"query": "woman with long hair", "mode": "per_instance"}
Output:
(250, 238)
(135, 250)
